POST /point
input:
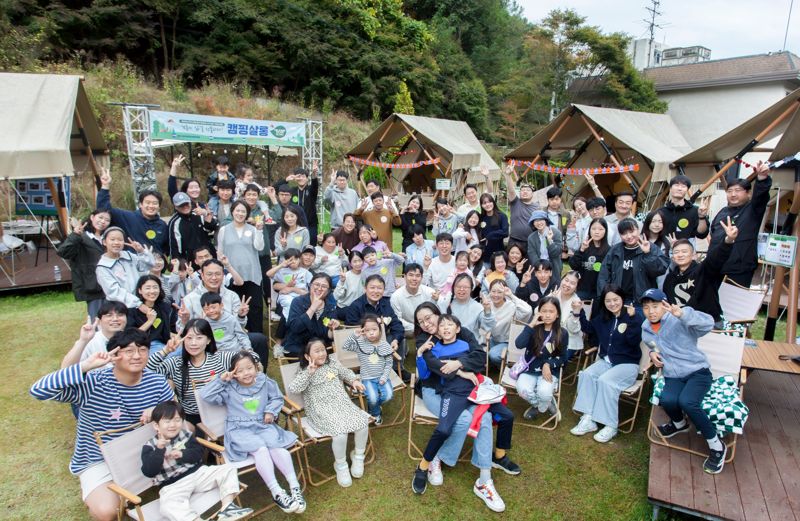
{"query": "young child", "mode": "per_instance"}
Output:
(384, 267)
(375, 359)
(228, 332)
(174, 460)
(671, 333)
(545, 343)
(350, 285)
(328, 258)
(118, 270)
(462, 266)
(456, 388)
(289, 280)
(181, 281)
(225, 192)
(445, 220)
(534, 289)
(254, 402)
(245, 179)
(308, 257)
(221, 173)
(330, 409)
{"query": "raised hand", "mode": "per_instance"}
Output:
(183, 313)
(173, 344)
(137, 246)
(485, 171)
(585, 244)
(174, 263)
(576, 305)
(673, 309)
(589, 178)
(671, 238)
(731, 230)
(333, 175)
(105, 178)
(88, 329)
(343, 274)
(244, 309)
(428, 345)
(435, 295)
(283, 239)
(644, 244)
(486, 303)
(631, 310)
(526, 277)
(77, 226)
(178, 160)
(227, 376)
(315, 166)
(705, 205)
(549, 234)
(426, 261)
(536, 320)
(762, 170)
(100, 359)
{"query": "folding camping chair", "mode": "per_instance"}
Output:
(349, 359)
(580, 359)
(123, 455)
(740, 305)
(306, 431)
(633, 394)
(510, 356)
(724, 353)
(212, 424)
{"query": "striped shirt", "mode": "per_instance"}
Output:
(375, 359)
(172, 368)
(104, 403)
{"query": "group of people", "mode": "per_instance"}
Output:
(183, 302)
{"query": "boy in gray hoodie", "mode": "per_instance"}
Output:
(671, 332)
(228, 332)
(339, 198)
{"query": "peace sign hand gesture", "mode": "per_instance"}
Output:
(631, 310)
(673, 309)
(576, 305)
(177, 161)
(705, 205)
(244, 308)
(644, 244)
(137, 246)
(105, 178)
(731, 231)
(100, 359)
(88, 329)
(526, 277)
(428, 345)
(585, 244)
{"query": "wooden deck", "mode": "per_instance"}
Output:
(762, 483)
(26, 275)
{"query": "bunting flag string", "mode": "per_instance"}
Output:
(393, 166)
(772, 164)
(575, 171)
(399, 152)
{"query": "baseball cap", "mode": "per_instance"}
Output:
(181, 198)
(653, 294)
(310, 249)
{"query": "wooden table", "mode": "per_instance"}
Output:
(765, 357)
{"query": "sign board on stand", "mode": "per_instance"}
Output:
(443, 184)
(777, 249)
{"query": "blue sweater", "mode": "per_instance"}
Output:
(677, 341)
(136, 225)
(460, 386)
(619, 338)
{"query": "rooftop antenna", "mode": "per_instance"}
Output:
(653, 9)
(788, 19)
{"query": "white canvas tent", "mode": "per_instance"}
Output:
(453, 142)
(591, 137)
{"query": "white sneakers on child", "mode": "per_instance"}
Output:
(489, 495)
(343, 473)
(605, 434)
(435, 476)
(585, 426)
(357, 465)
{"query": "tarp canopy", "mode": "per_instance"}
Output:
(40, 136)
(651, 140)
(451, 141)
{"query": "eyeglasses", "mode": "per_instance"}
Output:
(426, 319)
(128, 352)
(320, 285)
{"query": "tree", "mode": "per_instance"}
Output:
(402, 100)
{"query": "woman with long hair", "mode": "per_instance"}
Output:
(494, 226)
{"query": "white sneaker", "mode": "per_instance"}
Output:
(585, 426)
(489, 495)
(343, 474)
(605, 434)
(435, 476)
(357, 465)
(277, 351)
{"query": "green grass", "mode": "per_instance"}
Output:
(563, 477)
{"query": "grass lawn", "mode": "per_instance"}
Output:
(563, 477)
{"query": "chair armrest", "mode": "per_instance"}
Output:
(211, 436)
(130, 496)
(744, 322)
(590, 350)
(292, 407)
(211, 445)
(743, 377)
(396, 356)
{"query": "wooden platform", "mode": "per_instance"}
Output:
(762, 483)
(27, 275)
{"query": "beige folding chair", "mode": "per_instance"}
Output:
(740, 305)
(123, 455)
(212, 424)
(510, 356)
(305, 429)
(419, 415)
(724, 353)
(349, 359)
(633, 394)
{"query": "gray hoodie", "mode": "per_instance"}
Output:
(677, 341)
(339, 202)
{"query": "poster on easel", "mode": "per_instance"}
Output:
(776, 249)
(36, 194)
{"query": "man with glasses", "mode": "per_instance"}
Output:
(520, 209)
(109, 398)
(746, 213)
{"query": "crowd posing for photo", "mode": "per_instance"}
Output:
(176, 312)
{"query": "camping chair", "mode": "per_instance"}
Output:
(212, 424)
(510, 356)
(420, 415)
(580, 359)
(633, 394)
(349, 359)
(724, 353)
(740, 305)
(123, 455)
(306, 431)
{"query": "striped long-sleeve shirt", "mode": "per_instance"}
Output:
(104, 403)
(375, 359)
(172, 368)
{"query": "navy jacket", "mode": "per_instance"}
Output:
(135, 225)
(619, 338)
(300, 329)
(556, 360)
(353, 313)
(698, 286)
(646, 268)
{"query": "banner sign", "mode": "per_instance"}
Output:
(575, 171)
(393, 166)
(35, 193)
(233, 131)
(777, 249)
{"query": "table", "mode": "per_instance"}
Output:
(765, 357)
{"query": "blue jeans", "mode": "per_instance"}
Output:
(481, 446)
(213, 204)
(496, 352)
(377, 394)
(685, 395)
(599, 387)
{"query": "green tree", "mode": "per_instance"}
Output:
(402, 100)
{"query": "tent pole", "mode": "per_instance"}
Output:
(63, 220)
(86, 144)
(786, 113)
(427, 154)
(360, 181)
(549, 142)
(608, 151)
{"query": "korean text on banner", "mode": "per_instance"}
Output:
(234, 131)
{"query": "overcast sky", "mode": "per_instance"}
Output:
(729, 28)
